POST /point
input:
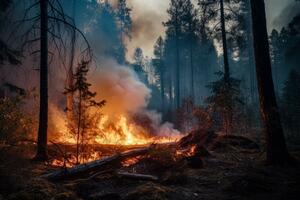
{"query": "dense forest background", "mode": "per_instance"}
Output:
(153, 99)
(202, 46)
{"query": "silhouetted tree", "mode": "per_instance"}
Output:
(50, 18)
(225, 100)
(190, 22)
(138, 64)
(125, 22)
(85, 100)
(276, 147)
(41, 153)
(158, 63)
(174, 33)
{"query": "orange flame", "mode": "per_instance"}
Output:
(121, 132)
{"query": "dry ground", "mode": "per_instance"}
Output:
(231, 172)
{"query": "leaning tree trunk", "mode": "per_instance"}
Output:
(277, 152)
(43, 115)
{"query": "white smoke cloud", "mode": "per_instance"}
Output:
(126, 95)
(120, 87)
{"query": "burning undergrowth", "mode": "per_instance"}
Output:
(124, 120)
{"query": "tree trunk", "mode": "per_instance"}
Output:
(224, 43)
(70, 76)
(177, 84)
(228, 113)
(192, 65)
(162, 87)
(250, 52)
(277, 153)
(78, 127)
(97, 165)
(43, 115)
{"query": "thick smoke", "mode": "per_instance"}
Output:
(127, 95)
(120, 87)
(147, 17)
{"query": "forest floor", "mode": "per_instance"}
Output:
(230, 172)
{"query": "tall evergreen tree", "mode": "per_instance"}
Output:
(229, 84)
(139, 65)
(158, 63)
(50, 16)
(123, 15)
(85, 100)
(173, 34)
(190, 23)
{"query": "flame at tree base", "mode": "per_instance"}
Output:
(119, 132)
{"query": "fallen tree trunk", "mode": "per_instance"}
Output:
(94, 165)
(137, 176)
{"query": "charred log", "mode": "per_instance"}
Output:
(94, 166)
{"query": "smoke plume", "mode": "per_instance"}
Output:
(127, 95)
(120, 87)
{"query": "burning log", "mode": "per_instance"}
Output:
(96, 165)
(137, 176)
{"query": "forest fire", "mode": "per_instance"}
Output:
(121, 132)
(137, 99)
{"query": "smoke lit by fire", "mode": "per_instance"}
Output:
(124, 120)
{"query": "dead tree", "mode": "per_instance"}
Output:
(277, 152)
(47, 24)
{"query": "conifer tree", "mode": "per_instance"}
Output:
(85, 99)
(158, 63)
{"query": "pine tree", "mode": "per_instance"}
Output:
(174, 34)
(51, 17)
(139, 64)
(225, 100)
(123, 15)
(85, 100)
(190, 23)
(214, 7)
(158, 63)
